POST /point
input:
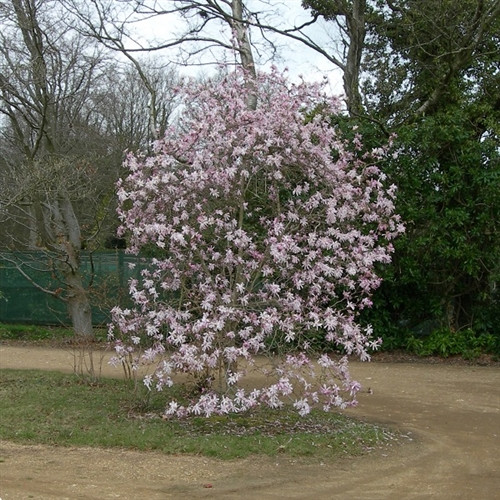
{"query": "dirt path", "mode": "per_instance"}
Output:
(452, 413)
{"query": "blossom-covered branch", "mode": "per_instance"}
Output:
(267, 228)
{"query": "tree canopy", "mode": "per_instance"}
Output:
(267, 229)
(425, 72)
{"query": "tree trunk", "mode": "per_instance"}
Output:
(245, 50)
(356, 28)
(36, 106)
(78, 300)
(63, 229)
(79, 309)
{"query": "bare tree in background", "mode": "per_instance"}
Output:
(45, 79)
(200, 32)
(122, 104)
(67, 113)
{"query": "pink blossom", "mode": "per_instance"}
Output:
(262, 237)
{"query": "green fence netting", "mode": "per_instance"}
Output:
(106, 275)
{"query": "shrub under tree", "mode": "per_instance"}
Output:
(266, 228)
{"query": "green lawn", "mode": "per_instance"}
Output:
(66, 410)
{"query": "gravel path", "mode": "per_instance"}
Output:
(451, 413)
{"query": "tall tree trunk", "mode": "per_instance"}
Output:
(245, 50)
(60, 224)
(79, 308)
(355, 20)
(353, 34)
(63, 230)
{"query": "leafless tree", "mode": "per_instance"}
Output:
(67, 113)
(47, 73)
(203, 31)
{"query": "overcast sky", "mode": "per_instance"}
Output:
(293, 55)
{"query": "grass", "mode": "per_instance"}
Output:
(33, 332)
(65, 410)
(37, 333)
(445, 343)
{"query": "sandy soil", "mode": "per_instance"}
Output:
(451, 413)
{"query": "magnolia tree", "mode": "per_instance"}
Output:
(266, 228)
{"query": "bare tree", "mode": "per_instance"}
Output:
(121, 104)
(349, 17)
(45, 82)
(207, 32)
(207, 29)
